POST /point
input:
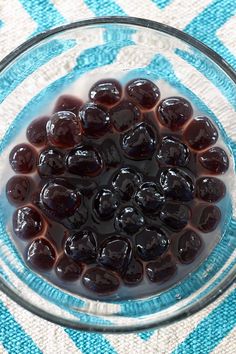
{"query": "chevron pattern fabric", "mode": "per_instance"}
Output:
(213, 330)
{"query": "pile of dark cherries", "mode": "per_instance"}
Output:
(121, 186)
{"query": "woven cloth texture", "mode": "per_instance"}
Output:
(211, 330)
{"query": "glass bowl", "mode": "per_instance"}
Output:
(36, 73)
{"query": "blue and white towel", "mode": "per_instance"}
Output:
(213, 330)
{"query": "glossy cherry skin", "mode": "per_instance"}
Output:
(177, 184)
(84, 161)
(86, 186)
(101, 281)
(173, 152)
(51, 163)
(140, 142)
(210, 189)
(64, 129)
(18, 189)
(27, 222)
(175, 215)
(110, 153)
(174, 112)
(115, 254)
(189, 246)
(215, 160)
(143, 92)
(149, 197)
(200, 133)
(106, 204)
(106, 92)
(161, 270)
(151, 243)
(22, 158)
(59, 200)
(134, 273)
(68, 103)
(77, 219)
(95, 120)
(67, 270)
(209, 218)
(126, 182)
(36, 132)
(81, 246)
(129, 220)
(124, 116)
(40, 255)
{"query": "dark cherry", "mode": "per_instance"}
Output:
(208, 218)
(175, 215)
(59, 200)
(161, 270)
(86, 186)
(215, 160)
(177, 184)
(125, 183)
(124, 116)
(134, 273)
(143, 92)
(110, 223)
(68, 103)
(151, 243)
(140, 142)
(106, 204)
(200, 133)
(173, 152)
(84, 161)
(129, 220)
(77, 219)
(51, 163)
(36, 132)
(210, 189)
(81, 246)
(22, 158)
(64, 130)
(18, 189)
(94, 120)
(115, 254)
(149, 197)
(27, 222)
(41, 255)
(110, 153)
(106, 92)
(101, 281)
(189, 245)
(174, 112)
(67, 270)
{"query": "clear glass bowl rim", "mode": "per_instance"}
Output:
(227, 281)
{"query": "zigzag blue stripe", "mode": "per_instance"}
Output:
(161, 3)
(43, 13)
(29, 63)
(215, 76)
(209, 21)
(145, 335)
(13, 337)
(46, 16)
(211, 330)
(90, 343)
(104, 7)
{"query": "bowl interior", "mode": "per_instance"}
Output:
(71, 58)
